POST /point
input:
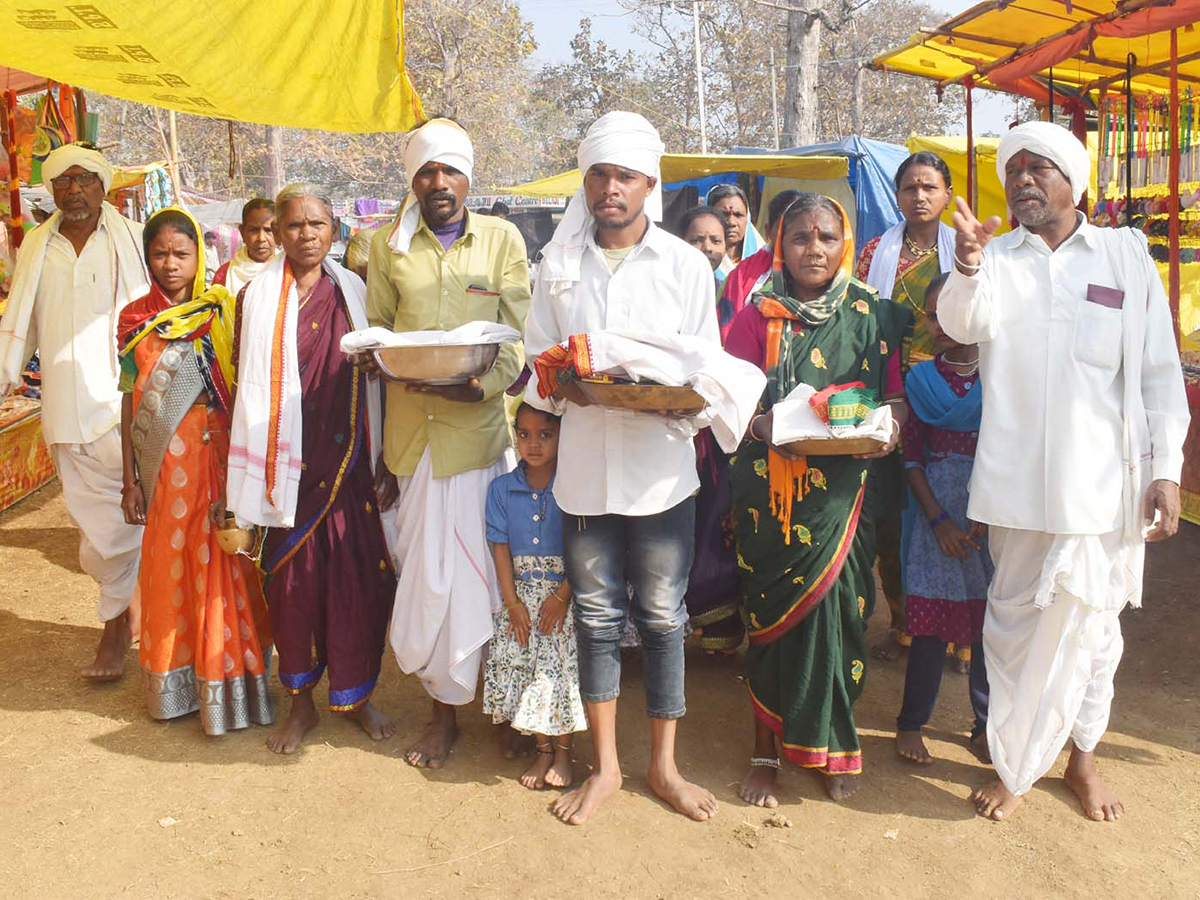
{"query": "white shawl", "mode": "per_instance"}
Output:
(129, 283)
(882, 274)
(246, 491)
(242, 270)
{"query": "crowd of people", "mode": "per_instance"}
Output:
(246, 490)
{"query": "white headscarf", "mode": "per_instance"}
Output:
(74, 155)
(618, 138)
(1055, 143)
(440, 141)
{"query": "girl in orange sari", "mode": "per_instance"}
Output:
(204, 642)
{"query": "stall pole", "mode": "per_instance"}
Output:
(971, 198)
(1130, 62)
(15, 232)
(1173, 189)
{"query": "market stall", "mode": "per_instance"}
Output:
(1122, 72)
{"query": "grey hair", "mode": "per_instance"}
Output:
(300, 189)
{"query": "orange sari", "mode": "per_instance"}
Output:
(205, 639)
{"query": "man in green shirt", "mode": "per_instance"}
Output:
(439, 267)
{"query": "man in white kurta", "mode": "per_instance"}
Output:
(626, 481)
(74, 274)
(1079, 455)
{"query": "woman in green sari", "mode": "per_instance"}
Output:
(805, 561)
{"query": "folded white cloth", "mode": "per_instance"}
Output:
(471, 333)
(794, 419)
(730, 386)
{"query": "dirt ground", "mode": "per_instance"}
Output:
(99, 801)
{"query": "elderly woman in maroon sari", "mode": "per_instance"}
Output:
(329, 574)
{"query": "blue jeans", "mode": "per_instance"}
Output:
(654, 555)
(926, 661)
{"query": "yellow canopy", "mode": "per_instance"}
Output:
(1086, 44)
(337, 65)
(688, 166)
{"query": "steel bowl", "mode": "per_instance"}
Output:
(436, 364)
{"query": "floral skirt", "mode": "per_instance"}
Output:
(535, 687)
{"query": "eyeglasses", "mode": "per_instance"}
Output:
(83, 179)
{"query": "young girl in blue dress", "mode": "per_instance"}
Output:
(531, 679)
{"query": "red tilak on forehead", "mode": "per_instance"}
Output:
(1023, 159)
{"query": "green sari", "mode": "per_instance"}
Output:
(909, 290)
(809, 590)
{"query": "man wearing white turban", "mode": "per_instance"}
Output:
(1079, 456)
(75, 272)
(436, 268)
(626, 482)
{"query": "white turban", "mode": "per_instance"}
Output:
(620, 139)
(1055, 143)
(440, 141)
(74, 155)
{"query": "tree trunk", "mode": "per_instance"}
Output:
(858, 99)
(276, 176)
(802, 74)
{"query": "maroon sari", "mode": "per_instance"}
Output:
(330, 583)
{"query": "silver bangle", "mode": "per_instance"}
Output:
(964, 265)
(765, 762)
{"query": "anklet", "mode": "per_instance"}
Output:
(765, 762)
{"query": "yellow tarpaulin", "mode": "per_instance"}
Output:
(980, 40)
(336, 65)
(688, 166)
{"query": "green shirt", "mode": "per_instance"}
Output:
(426, 289)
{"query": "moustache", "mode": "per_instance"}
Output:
(1030, 194)
(440, 195)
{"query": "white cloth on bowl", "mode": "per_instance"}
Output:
(731, 387)
(795, 420)
(471, 333)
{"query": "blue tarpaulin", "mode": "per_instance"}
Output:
(873, 166)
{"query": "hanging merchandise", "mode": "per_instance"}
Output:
(51, 131)
(159, 192)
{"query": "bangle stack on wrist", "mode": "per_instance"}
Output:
(939, 519)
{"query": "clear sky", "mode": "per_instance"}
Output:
(555, 22)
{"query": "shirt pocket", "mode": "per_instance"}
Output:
(1098, 328)
(481, 301)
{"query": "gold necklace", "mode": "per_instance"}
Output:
(918, 253)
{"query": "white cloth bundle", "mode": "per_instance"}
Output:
(246, 492)
(730, 386)
(471, 333)
(794, 419)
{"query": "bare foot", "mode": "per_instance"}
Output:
(535, 776)
(979, 746)
(302, 717)
(690, 799)
(377, 726)
(577, 806)
(109, 664)
(961, 666)
(889, 649)
(993, 801)
(560, 774)
(1100, 803)
(841, 787)
(758, 787)
(434, 746)
(911, 746)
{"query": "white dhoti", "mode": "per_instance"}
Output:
(447, 587)
(109, 549)
(1052, 642)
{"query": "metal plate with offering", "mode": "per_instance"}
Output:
(436, 364)
(642, 396)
